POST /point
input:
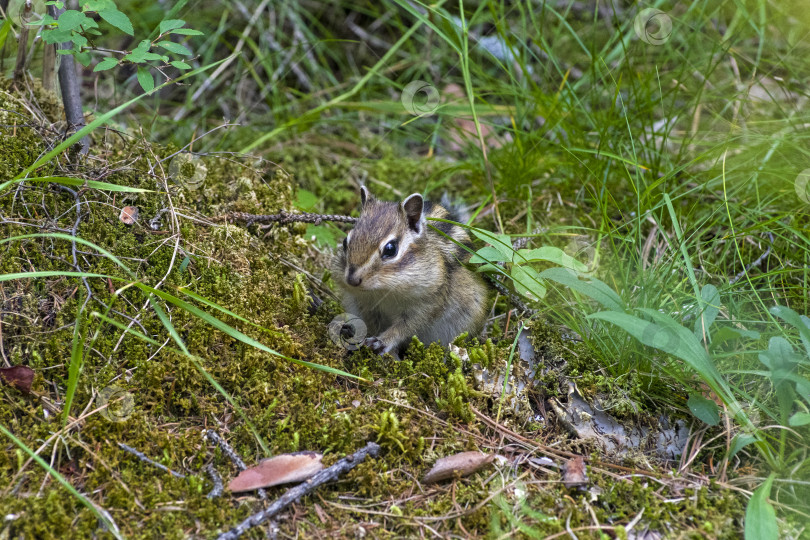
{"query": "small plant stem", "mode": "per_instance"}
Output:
(71, 95)
(22, 44)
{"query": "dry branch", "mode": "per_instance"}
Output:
(293, 494)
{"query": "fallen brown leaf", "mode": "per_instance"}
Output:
(461, 464)
(18, 376)
(281, 469)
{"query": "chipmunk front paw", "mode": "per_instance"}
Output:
(376, 345)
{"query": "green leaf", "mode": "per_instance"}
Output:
(173, 47)
(324, 235)
(552, 254)
(76, 362)
(668, 336)
(704, 409)
(501, 242)
(72, 19)
(760, 516)
(139, 53)
(590, 287)
(305, 200)
(488, 254)
(740, 441)
(187, 32)
(118, 20)
(180, 64)
(780, 356)
(728, 333)
(528, 282)
(105, 64)
(170, 24)
(4, 31)
(83, 58)
(800, 322)
(799, 419)
(145, 79)
(78, 41)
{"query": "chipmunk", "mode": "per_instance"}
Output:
(404, 279)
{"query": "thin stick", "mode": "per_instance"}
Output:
(215, 478)
(283, 218)
(214, 437)
(293, 494)
(144, 457)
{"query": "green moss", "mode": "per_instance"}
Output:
(418, 409)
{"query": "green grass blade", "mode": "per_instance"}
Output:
(87, 243)
(53, 273)
(342, 97)
(70, 181)
(75, 367)
(167, 323)
(236, 334)
(214, 305)
(112, 528)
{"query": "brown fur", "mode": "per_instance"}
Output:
(424, 290)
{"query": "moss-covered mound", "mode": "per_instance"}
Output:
(229, 285)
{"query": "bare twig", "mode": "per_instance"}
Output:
(215, 478)
(145, 458)
(754, 264)
(293, 494)
(283, 218)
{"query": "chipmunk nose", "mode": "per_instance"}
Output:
(351, 279)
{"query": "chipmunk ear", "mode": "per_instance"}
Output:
(365, 195)
(413, 207)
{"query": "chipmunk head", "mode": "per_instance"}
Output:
(383, 247)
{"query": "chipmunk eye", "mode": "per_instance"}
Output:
(345, 243)
(390, 250)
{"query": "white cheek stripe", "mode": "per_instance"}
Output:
(363, 269)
